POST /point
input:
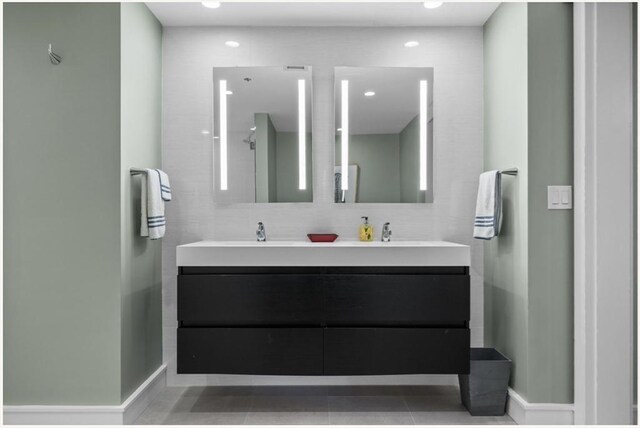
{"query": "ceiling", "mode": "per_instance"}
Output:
(323, 14)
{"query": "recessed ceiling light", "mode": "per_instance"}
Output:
(229, 92)
(411, 44)
(339, 129)
(205, 132)
(232, 43)
(369, 94)
(432, 4)
(211, 4)
(253, 128)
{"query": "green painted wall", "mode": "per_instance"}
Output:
(635, 202)
(62, 204)
(81, 294)
(529, 125)
(287, 171)
(141, 125)
(505, 146)
(550, 151)
(378, 158)
(389, 168)
(266, 186)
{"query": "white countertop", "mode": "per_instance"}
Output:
(338, 253)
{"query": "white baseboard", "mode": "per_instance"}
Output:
(123, 414)
(525, 413)
(141, 397)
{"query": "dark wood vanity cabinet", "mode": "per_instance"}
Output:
(323, 321)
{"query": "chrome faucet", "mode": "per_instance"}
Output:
(261, 234)
(386, 232)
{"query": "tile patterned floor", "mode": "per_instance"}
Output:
(312, 405)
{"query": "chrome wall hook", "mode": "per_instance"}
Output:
(53, 57)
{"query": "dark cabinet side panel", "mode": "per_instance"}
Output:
(266, 351)
(378, 300)
(386, 351)
(250, 299)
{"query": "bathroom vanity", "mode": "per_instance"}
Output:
(342, 308)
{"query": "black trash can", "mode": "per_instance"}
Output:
(484, 389)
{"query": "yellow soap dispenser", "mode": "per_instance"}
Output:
(366, 230)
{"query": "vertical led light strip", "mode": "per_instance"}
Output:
(344, 138)
(302, 135)
(423, 134)
(223, 134)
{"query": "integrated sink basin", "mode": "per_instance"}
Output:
(339, 253)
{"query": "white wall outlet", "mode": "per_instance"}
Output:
(559, 197)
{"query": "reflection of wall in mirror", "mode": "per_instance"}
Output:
(266, 190)
(410, 162)
(277, 164)
(287, 171)
(241, 173)
(389, 164)
(349, 195)
(378, 156)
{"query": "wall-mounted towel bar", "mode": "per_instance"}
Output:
(137, 171)
(510, 171)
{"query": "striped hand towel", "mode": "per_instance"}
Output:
(488, 206)
(152, 221)
(165, 187)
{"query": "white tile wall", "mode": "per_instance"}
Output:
(190, 53)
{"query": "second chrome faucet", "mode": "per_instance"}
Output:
(261, 234)
(386, 232)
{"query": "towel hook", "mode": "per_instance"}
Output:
(53, 57)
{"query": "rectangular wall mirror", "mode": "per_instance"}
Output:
(384, 135)
(262, 134)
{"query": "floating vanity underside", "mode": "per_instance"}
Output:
(323, 320)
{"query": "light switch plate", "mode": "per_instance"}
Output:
(559, 197)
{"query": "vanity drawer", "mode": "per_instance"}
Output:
(261, 299)
(386, 351)
(388, 300)
(265, 351)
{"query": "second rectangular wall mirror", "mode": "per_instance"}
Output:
(384, 135)
(262, 134)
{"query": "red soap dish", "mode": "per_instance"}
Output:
(322, 237)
